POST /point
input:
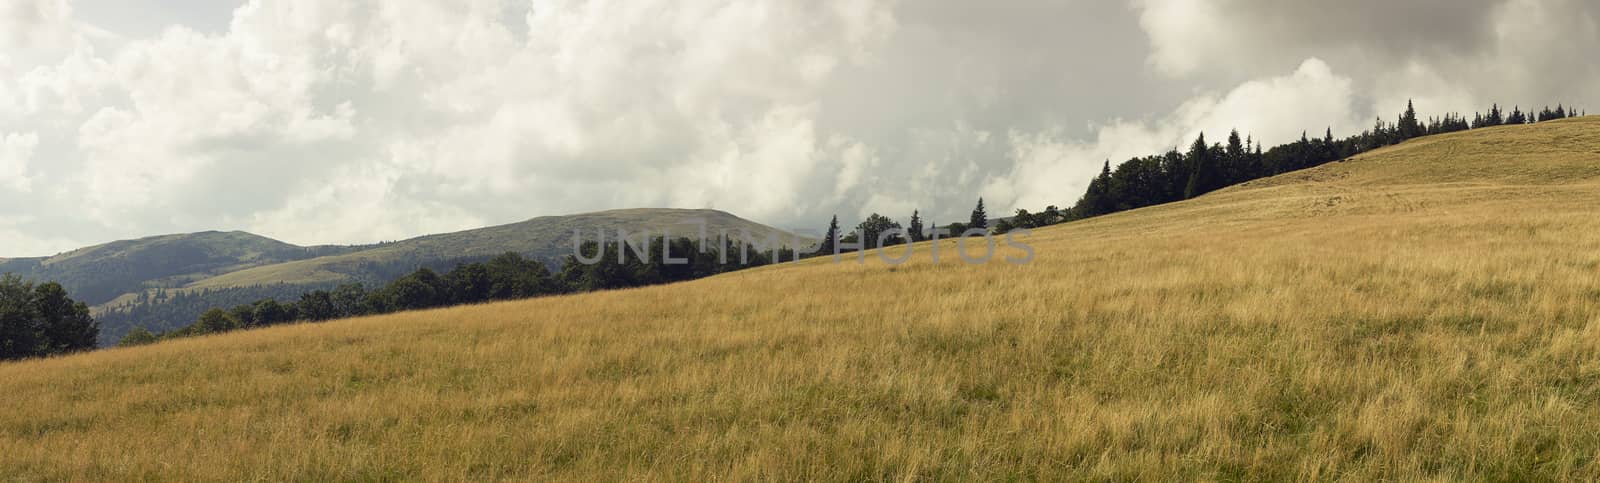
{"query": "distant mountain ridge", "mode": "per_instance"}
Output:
(227, 266)
(547, 238)
(101, 273)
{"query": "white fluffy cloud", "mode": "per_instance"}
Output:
(352, 121)
(16, 152)
(29, 24)
(362, 120)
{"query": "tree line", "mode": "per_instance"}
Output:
(41, 320)
(878, 231)
(162, 310)
(604, 266)
(1206, 167)
(170, 309)
(1202, 168)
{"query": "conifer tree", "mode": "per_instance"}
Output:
(1202, 169)
(1232, 165)
(1097, 201)
(1408, 123)
(1516, 117)
(915, 227)
(828, 239)
(980, 218)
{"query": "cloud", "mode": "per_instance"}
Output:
(1272, 110)
(1255, 36)
(20, 232)
(1537, 52)
(16, 152)
(34, 23)
(453, 113)
(362, 120)
(1277, 110)
(1456, 55)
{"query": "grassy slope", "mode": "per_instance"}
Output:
(1428, 311)
(545, 238)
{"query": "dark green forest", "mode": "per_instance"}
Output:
(41, 320)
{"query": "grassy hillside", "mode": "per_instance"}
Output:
(1428, 311)
(546, 238)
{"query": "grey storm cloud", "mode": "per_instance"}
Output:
(1509, 50)
(1385, 29)
(361, 120)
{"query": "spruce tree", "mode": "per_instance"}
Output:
(1202, 169)
(1233, 159)
(915, 227)
(1329, 151)
(980, 218)
(1517, 117)
(828, 239)
(1097, 200)
(1408, 122)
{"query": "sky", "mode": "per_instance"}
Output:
(357, 121)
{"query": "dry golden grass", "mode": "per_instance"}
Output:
(1429, 312)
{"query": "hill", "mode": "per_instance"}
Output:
(1425, 311)
(547, 238)
(99, 274)
(163, 283)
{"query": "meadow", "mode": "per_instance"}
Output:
(1429, 311)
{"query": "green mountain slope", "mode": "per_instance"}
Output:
(546, 238)
(165, 282)
(101, 273)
